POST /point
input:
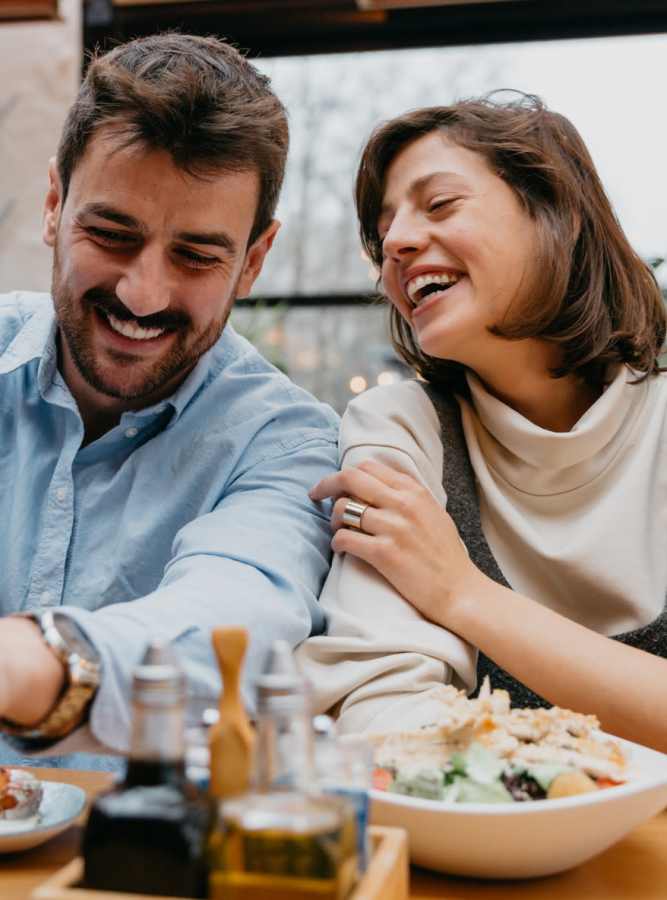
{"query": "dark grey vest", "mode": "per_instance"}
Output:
(458, 481)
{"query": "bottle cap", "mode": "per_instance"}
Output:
(324, 726)
(159, 678)
(282, 687)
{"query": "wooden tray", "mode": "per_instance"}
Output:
(385, 879)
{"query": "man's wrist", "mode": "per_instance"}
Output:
(65, 676)
(33, 676)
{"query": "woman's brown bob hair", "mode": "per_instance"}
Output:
(591, 294)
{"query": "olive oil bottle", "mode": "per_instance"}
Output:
(283, 840)
(148, 835)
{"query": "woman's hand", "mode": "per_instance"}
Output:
(406, 535)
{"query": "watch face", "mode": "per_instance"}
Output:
(76, 640)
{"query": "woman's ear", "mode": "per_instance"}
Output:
(52, 206)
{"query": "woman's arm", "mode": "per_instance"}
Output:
(381, 662)
(414, 544)
(568, 664)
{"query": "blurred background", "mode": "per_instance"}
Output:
(341, 66)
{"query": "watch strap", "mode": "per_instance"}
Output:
(81, 681)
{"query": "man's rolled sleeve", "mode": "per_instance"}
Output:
(258, 561)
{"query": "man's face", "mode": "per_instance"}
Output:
(147, 263)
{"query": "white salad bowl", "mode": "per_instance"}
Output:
(528, 839)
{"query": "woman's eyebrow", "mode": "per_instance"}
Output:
(420, 184)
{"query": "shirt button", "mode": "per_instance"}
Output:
(61, 493)
(131, 432)
(46, 597)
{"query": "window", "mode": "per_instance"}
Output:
(611, 88)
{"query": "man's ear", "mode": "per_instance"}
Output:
(52, 206)
(255, 257)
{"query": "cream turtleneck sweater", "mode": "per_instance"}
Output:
(576, 521)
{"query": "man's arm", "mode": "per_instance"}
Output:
(257, 560)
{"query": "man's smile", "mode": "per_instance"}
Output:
(129, 334)
(132, 329)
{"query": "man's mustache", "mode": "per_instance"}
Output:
(109, 303)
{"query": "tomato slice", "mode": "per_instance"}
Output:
(607, 782)
(382, 779)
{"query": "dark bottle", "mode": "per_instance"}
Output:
(148, 835)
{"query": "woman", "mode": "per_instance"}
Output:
(539, 423)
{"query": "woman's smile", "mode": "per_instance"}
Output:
(433, 299)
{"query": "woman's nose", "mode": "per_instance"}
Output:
(405, 236)
(145, 285)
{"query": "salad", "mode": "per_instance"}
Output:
(485, 751)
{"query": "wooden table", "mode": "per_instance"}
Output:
(635, 869)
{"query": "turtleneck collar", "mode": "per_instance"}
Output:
(538, 461)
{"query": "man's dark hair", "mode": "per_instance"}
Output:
(590, 292)
(197, 98)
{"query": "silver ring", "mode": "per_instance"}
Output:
(353, 513)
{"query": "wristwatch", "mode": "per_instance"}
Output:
(83, 668)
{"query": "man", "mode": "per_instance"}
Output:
(155, 468)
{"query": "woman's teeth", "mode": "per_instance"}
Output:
(421, 286)
(130, 330)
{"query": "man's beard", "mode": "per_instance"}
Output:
(75, 319)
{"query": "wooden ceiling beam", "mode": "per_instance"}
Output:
(288, 27)
(14, 10)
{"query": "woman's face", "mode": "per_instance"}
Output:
(458, 249)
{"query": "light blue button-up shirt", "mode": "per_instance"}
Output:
(189, 514)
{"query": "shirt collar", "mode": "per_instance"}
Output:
(37, 340)
(207, 366)
(188, 388)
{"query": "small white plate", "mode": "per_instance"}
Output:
(60, 806)
(525, 840)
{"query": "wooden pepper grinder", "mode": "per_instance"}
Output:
(231, 738)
